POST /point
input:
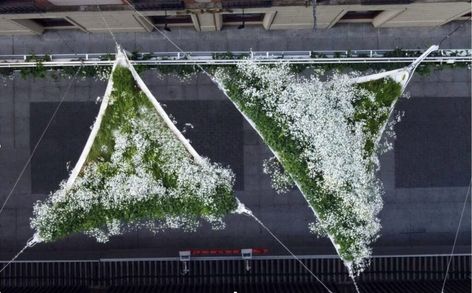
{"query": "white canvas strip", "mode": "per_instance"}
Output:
(122, 60)
(162, 113)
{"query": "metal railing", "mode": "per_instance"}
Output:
(264, 269)
(231, 58)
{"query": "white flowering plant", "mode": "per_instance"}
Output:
(281, 181)
(326, 136)
(136, 171)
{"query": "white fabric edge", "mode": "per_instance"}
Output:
(96, 126)
(198, 159)
(401, 75)
(122, 60)
(276, 154)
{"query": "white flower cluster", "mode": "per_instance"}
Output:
(386, 144)
(281, 181)
(318, 115)
(148, 165)
(317, 230)
(6, 78)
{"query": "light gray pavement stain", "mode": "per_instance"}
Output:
(415, 220)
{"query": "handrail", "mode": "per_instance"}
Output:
(210, 258)
(231, 58)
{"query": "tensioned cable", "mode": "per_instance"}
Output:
(66, 43)
(211, 78)
(287, 249)
(455, 238)
(447, 36)
(163, 34)
(470, 182)
(40, 139)
(106, 23)
(60, 37)
(454, 31)
(199, 66)
(29, 244)
(17, 255)
(42, 135)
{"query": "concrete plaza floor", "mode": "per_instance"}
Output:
(425, 176)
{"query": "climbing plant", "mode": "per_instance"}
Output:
(137, 170)
(326, 135)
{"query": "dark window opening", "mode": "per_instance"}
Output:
(247, 17)
(381, 2)
(246, 3)
(20, 6)
(467, 14)
(52, 22)
(171, 19)
(353, 15)
(159, 4)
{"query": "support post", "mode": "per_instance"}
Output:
(247, 256)
(184, 260)
(268, 19)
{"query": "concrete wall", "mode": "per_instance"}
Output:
(277, 17)
(118, 21)
(9, 27)
(415, 14)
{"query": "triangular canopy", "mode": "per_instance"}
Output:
(326, 135)
(136, 166)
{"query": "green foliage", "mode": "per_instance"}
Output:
(289, 152)
(39, 71)
(229, 56)
(185, 70)
(6, 71)
(126, 100)
(402, 53)
(372, 113)
(179, 70)
(107, 57)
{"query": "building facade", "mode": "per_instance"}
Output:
(37, 16)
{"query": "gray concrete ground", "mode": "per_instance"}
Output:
(425, 177)
(340, 37)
